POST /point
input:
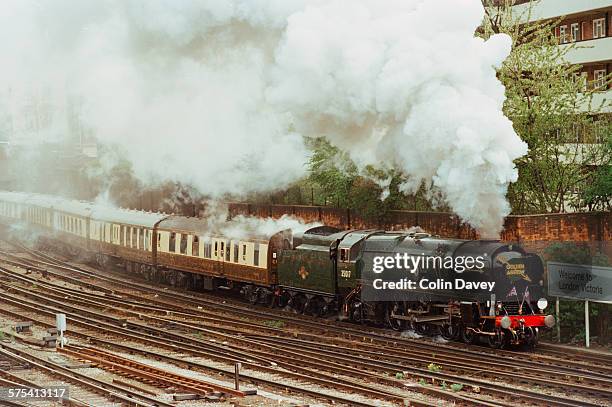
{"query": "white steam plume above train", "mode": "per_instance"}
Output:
(219, 94)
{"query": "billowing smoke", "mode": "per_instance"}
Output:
(220, 94)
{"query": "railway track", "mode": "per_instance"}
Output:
(346, 331)
(162, 304)
(94, 391)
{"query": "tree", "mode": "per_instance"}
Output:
(372, 192)
(598, 194)
(551, 108)
(333, 170)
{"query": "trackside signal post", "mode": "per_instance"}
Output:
(580, 282)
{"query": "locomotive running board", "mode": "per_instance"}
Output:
(432, 318)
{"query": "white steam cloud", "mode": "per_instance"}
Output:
(219, 94)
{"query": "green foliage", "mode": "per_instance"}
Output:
(274, 324)
(443, 385)
(332, 170)
(598, 193)
(371, 192)
(399, 376)
(432, 367)
(551, 110)
(456, 387)
(422, 382)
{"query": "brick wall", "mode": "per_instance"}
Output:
(583, 227)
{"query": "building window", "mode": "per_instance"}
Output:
(599, 77)
(582, 79)
(172, 242)
(195, 246)
(599, 28)
(183, 243)
(563, 34)
(575, 32)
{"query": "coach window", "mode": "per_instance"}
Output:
(183, 243)
(141, 239)
(256, 255)
(216, 249)
(236, 250)
(207, 249)
(121, 235)
(243, 252)
(134, 237)
(172, 242)
(227, 252)
(195, 246)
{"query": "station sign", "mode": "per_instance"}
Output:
(580, 281)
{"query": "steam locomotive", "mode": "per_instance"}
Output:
(322, 271)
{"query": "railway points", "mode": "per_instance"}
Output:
(377, 364)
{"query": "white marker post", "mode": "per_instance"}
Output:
(60, 324)
(558, 320)
(586, 324)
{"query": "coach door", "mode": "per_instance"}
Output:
(220, 252)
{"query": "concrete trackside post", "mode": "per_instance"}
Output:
(558, 320)
(586, 324)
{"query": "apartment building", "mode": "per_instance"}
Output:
(588, 23)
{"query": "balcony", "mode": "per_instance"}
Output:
(597, 50)
(546, 9)
(601, 103)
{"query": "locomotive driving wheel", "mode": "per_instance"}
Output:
(449, 331)
(422, 328)
(394, 308)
